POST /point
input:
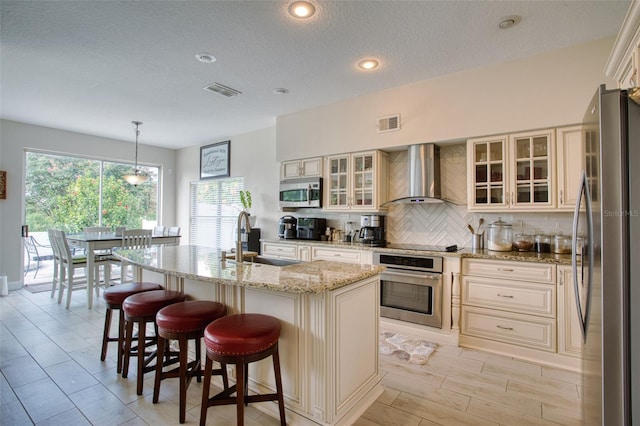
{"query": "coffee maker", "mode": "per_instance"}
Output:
(372, 230)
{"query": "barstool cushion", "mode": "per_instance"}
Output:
(115, 295)
(242, 334)
(148, 303)
(189, 316)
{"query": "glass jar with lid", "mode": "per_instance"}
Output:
(499, 236)
(542, 243)
(562, 244)
(522, 241)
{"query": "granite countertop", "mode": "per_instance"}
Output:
(560, 259)
(205, 264)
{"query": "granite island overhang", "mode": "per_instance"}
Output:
(329, 312)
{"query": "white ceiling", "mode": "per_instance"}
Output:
(94, 66)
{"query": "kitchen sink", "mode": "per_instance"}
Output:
(271, 261)
(267, 261)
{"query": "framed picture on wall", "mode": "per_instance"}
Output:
(214, 160)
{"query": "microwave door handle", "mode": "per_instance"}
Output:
(309, 194)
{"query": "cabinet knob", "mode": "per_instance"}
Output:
(561, 196)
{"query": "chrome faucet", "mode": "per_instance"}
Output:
(247, 229)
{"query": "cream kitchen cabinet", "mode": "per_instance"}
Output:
(280, 250)
(487, 173)
(624, 61)
(570, 151)
(509, 302)
(336, 254)
(356, 181)
(569, 331)
(512, 172)
(308, 167)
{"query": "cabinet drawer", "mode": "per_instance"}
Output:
(283, 251)
(529, 298)
(347, 256)
(520, 271)
(519, 329)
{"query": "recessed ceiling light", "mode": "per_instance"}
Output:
(368, 64)
(207, 58)
(280, 91)
(509, 21)
(302, 9)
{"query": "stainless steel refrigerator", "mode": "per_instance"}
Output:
(606, 260)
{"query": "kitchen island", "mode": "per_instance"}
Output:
(328, 312)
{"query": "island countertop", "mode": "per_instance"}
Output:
(205, 264)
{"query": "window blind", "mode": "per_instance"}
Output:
(215, 205)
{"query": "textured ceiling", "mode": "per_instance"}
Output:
(94, 66)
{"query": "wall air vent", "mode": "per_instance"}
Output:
(221, 89)
(390, 123)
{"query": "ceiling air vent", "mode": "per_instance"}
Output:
(389, 124)
(221, 89)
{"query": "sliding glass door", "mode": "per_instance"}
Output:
(70, 193)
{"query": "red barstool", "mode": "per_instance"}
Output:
(113, 297)
(241, 339)
(142, 308)
(184, 321)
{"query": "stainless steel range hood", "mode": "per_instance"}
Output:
(423, 175)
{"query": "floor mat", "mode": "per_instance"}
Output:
(415, 351)
(40, 288)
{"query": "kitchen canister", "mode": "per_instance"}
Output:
(499, 236)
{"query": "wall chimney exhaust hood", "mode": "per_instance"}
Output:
(423, 175)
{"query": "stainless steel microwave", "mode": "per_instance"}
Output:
(300, 193)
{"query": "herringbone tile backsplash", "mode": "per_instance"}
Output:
(444, 223)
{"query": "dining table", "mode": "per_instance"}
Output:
(93, 242)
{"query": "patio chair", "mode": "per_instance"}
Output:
(133, 239)
(31, 245)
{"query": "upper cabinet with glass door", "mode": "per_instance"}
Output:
(487, 177)
(356, 181)
(514, 171)
(532, 163)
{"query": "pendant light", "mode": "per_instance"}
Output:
(137, 177)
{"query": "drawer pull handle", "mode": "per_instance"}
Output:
(505, 328)
(337, 254)
(505, 270)
(508, 296)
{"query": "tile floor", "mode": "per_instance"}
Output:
(51, 374)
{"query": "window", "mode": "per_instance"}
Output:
(215, 205)
(71, 193)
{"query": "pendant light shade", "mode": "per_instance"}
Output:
(137, 177)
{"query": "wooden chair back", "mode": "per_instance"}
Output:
(136, 238)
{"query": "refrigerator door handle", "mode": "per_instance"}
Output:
(586, 256)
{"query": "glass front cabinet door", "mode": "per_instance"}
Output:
(338, 185)
(487, 188)
(532, 161)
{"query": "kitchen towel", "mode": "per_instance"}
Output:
(415, 351)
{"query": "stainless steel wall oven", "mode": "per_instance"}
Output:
(411, 288)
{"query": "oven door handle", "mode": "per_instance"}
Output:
(414, 278)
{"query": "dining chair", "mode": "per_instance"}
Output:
(103, 256)
(174, 231)
(67, 266)
(159, 230)
(133, 239)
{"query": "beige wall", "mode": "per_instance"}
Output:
(16, 138)
(253, 157)
(547, 90)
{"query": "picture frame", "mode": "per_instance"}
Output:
(215, 160)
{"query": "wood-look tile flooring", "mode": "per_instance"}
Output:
(51, 374)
